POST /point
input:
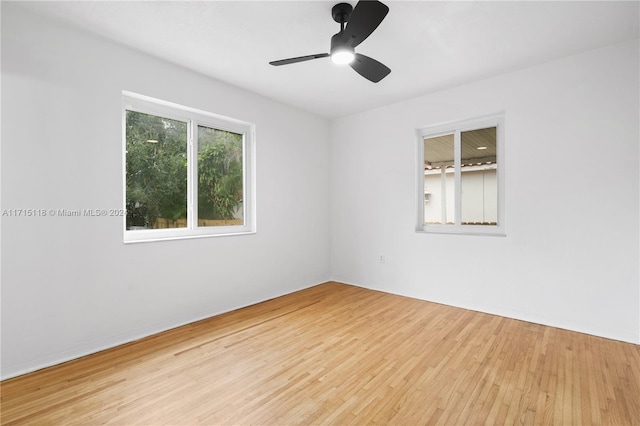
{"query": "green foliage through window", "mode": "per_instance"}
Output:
(157, 173)
(156, 169)
(219, 173)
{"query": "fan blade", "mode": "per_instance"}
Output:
(369, 68)
(299, 59)
(364, 19)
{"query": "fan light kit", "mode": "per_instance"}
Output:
(361, 22)
(342, 56)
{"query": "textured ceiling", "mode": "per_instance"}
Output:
(428, 45)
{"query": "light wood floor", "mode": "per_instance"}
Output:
(337, 354)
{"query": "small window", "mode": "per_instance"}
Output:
(460, 177)
(188, 173)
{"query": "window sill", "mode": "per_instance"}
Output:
(477, 230)
(156, 235)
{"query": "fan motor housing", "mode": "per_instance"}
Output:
(338, 42)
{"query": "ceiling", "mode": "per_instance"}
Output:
(429, 45)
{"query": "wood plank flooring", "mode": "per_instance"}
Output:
(338, 354)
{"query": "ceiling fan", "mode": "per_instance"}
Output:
(361, 22)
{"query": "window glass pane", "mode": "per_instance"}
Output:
(156, 172)
(220, 178)
(439, 203)
(479, 184)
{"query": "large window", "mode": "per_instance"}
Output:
(187, 173)
(460, 177)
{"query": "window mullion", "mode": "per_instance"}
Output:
(245, 170)
(192, 178)
(457, 168)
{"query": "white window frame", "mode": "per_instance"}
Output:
(456, 128)
(194, 118)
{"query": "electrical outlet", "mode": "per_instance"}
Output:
(381, 258)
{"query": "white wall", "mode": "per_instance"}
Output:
(69, 285)
(574, 265)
